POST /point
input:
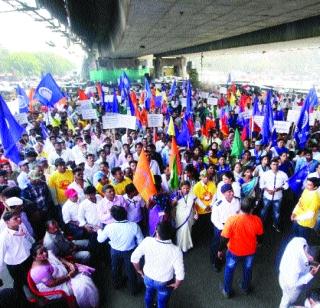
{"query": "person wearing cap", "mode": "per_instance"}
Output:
(23, 178)
(225, 207)
(204, 191)
(58, 183)
(59, 152)
(70, 210)
(15, 245)
(101, 180)
(257, 152)
(37, 191)
(240, 233)
(295, 270)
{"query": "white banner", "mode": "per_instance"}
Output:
(89, 114)
(282, 127)
(204, 94)
(108, 98)
(293, 116)
(223, 90)
(22, 118)
(212, 101)
(85, 104)
(155, 120)
(116, 120)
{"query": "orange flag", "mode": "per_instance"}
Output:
(143, 179)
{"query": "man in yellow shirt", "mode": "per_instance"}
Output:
(306, 211)
(204, 191)
(58, 184)
(120, 182)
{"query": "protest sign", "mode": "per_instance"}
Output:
(212, 101)
(89, 114)
(293, 116)
(155, 120)
(108, 98)
(22, 118)
(203, 94)
(116, 120)
(282, 127)
(223, 90)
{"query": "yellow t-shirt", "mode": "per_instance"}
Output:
(60, 182)
(99, 188)
(120, 187)
(308, 202)
(205, 194)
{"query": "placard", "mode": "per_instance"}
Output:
(223, 90)
(212, 101)
(259, 120)
(108, 98)
(155, 120)
(293, 116)
(22, 118)
(282, 127)
(204, 94)
(116, 120)
(85, 104)
(89, 114)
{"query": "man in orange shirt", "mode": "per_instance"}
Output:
(241, 233)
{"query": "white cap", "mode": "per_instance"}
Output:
(13, 201)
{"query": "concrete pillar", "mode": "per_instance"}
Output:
(157, 67)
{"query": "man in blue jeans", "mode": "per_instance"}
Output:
(241, 232)
(273, 182)
(163, 270)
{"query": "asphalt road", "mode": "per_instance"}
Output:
(201, 286)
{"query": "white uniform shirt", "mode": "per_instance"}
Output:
(15, 246)
(88, 213)
(78, 189)
(235, 187)
(70, 211)
(270, 180)
(222, 210)
(163, 259)
(23, 180)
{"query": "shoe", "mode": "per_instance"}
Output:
(224, 293)
(245, 291)
(216, 269)
(276, 228)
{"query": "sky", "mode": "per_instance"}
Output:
(20, 32)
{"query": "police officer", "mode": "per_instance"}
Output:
(222, 209)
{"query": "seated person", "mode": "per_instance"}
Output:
(50, 274)
(55, 241)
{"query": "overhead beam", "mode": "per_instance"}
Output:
(301, 29)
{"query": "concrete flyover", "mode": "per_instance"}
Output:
(128, 29)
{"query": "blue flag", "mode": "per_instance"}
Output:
(256, 110)
(115, 106)
(268, 125)
(229, 79)
(302, 131)
(23, 100)
(10, 133)
(48, 92)
(189, 99)
(44, 131)
(296, 181)
(184, 138)
(173, 88)
(148, 96)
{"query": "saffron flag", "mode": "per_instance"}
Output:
(10, 133)
(48, 92)
(237, 145)
(143, 179)
(174, 165)
(82, 95)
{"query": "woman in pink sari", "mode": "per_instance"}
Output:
(50, 274)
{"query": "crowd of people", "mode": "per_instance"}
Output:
(71, 201)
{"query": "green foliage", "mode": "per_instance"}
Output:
(33, 64)
(194, 77)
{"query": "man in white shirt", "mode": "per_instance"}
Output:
(163, 270)
(90, 168)
(273, 182)
(59, 152)
(15, 245)
(124, 237)
(23, 178)
(154, 167)
(222, 209)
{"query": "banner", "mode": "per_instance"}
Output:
(293, 116)
(282, 127)
(204, 94)
(89, 114)
(116, 120)
(22, 118)
(155, 120)
(212, 101)
(223, 90)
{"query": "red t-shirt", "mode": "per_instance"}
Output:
(242, 231)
